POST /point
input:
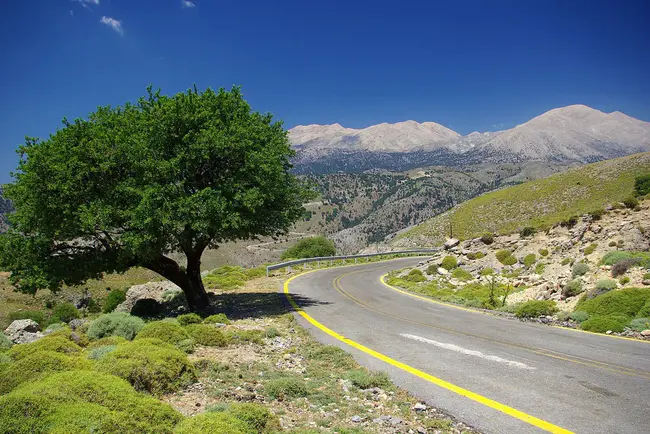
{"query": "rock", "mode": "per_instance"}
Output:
(356, 419)
(27, 337)
(451, 242)
(442, 271)
(608, 332)
(77, 323)
(23, 331)
(645, 332)
(419, 407)
(395, 421)
(422, 430)
(646, 282)
(147, 299)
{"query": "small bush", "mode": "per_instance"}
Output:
(471, 256)
(642, 185)
(115, 324)
(611, 258)
(107, 341)
(543, 252)
(570, 222)
(620, 244)
(149, 365)
(364, 379)
(272, 332)
(539, 268)
(510, 260)
(219, 318)
(65, 312)
(114, 299)
(449, 262)
(579, 316)
(487, 238)
(415, 275)
(254, 273)
(208, 335)
(486, 271)
(602, 324)
(213, 423)
(186, 346)
(5, 342)
(99, 353)
(503, 254)
(286, 388)
(35, 315)
(166, 331)
(460, 274)
(528, 231)
(612, 244)
(566, 261)
(189, 318)
(331, 356)
(624, 280)
(639, 324)
(631, 202)
(596, 214)
(225, 282)
(590, 249)
(480, 255)
(572, 288)
(646, 276)
(432, 269)
(579, 269)
(536, 308)
(58, 344)
(256, 416)
(622, 266)
(310, 248)
(628, 302)
(529, 260)
(605, 285)
(241, 336)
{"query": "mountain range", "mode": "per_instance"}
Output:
(575, 133)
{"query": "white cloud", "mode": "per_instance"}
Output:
(113, 24)
(85, 3)
(71, 13)
(187, 4)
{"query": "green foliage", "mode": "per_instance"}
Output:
(506, 257)
(214, 423)
(114, 299)
(59, 344)
(543, 252)
(566, 261)
(631, 202)
(579, 316)
(527, 231)
(364, 379)
(570, 222)
(596, 214)
(272, 332)
(605, 285)
(107, 341)
(65, 312)
(38, 364)
(415, 275)
(5, 343)
(628, 302)
(254, 273)
(612, 258)
(219, 318)
(579, 269)
(284, 388)
(149, 365)
(536, 308)
(644, 312)
(539, 268)
(449, 262)
(241, 336)
(83, 401)
(432, 270)
(227, 281)
(162, 175)
(256, 416)
(529, 260)
(189, 318)
(166, 331)
(115, 324)
(612, 244)
(602, 324)
(186, 345)
(590, 249)
(208, 335)
(99, 353)
(480, 255)
(646, 276)
(572, 288)
(35, 315)
(486, 271)
(471, 256)
(487, 238)
(461, 274)
(624, 280)
(639, 324)
(642, 185)
(311, 247)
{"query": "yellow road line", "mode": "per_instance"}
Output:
(382, 279)
(532, 420)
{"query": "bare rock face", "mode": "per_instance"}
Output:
(451, 243)
(148, 299)
(24, 331)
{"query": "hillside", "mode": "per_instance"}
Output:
(542, 202)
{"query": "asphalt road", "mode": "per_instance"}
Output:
(580, 382)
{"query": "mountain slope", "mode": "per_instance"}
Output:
(536, 203)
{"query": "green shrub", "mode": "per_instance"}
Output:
(622, 266)
(35, 315)
(639, 324)
(241, 336)
(487, 238)
(590, 249)
(612, 258)
(536, 308)
(539, 268)
(631, 202)
(189, 318)
(65, 312)
(364, 379)
(479, 255)
(286, 388)
(219, 318)
(572, 288)
(213, 423)
(570, 222)
(612, 244)
(627, 302)
(5, 342)
(602, 324)
(624, 280)
(208, 335)
(432, 270)
(57, 344)
(107, 341)
(510, 260)
(579, 316)
(149, 365)
(224, 282)
(415, 275)
(579, 269)
(646, 276)
(114, 299)
(529, 260)
(644, 312)
(186, 346)
(486, 271)
(596, 214)
(99, 353)
(83, 401)
(449, 262)
(166, 331)
(310, 248)
(604, 285)
(566, 261)
(642, 185)
(115, 324)
(331, 356)
(502, 255)
(543, 252)
(256, 416)
(471, 256)
(75, 336)
(460, 274)
(254, 273)
(36, 365)
(528, 231)
(272, 332)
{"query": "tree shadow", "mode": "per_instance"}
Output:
(257, 304)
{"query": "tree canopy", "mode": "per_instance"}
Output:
(132, 184)
(312, 247)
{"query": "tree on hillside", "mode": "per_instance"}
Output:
(312, 247)
(130, 185)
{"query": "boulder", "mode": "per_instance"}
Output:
(77, 323)
(645, 332)
(23, 331)
(451, 242)
(147, 299)
(442, 271)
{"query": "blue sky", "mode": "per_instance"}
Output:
(469, 65)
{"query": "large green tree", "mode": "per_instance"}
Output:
(130, 185)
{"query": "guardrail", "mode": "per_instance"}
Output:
(270, 268)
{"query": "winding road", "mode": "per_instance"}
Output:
(496, 374)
